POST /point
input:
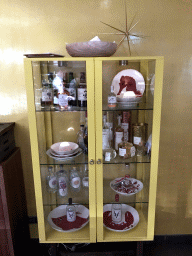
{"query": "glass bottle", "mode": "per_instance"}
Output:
(75, 180)
(112, 100)
(47, 95)
(85, 180)
(105, 133)
(71, 211)
(62, 179)
(57, 84)
(108, 152)
(126, 170)
(82, 91)
(51, 180)
(118, 133)
(116, 210)
(126, 125)
(86, 132)
(80, 139)
(72, 89)
(63, 94)
(110, 125)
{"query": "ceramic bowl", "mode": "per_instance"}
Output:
(91, 49)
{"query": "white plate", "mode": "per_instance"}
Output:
(63, 155)
(64, 158)
(64, 147)
(130, 95)
(125, 208)
(61, 211)
(123, 193)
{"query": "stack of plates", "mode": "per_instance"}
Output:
(64, 150)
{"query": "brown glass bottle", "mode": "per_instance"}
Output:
(118, 133)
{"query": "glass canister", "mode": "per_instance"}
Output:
(140, 131)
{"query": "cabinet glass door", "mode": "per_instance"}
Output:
(128, 104)
(62, 92)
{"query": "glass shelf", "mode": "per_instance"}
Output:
(81, 159)
(70, 109)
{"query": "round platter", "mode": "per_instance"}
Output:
(60, 212)
(125, 208)
(129, 191)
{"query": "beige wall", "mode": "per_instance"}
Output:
(46, 26)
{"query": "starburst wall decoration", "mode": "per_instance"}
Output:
(127, 35)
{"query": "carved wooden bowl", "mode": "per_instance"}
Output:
(91, 49)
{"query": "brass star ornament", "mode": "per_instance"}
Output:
(127, 35)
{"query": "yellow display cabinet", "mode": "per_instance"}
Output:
(50, 123)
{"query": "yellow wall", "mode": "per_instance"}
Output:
(46, 26)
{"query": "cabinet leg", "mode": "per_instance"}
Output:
(53, 250)
(139, 248)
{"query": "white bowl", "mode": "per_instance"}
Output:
(91, 49)
(64, 147)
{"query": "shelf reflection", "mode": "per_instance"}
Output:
(135, 159)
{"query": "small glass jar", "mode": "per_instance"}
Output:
(140, 137)
(126, 149)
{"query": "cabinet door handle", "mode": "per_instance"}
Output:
(91, 161)
(99, 161)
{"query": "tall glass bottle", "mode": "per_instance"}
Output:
(118, 133)
(80, 139)
(85, 180)
(126, 125)
(72, 89)
(71, 211)
(75, 180)
(105, 133)
(110, 125)
(82, 91)
(51, 180)
(86, 132)
(62, 179)
(116, 210)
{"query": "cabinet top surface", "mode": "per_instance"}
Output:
(135, 58)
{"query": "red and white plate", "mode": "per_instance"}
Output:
(130, 218)
(129, 86)
(58, 220)
(132, 186)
